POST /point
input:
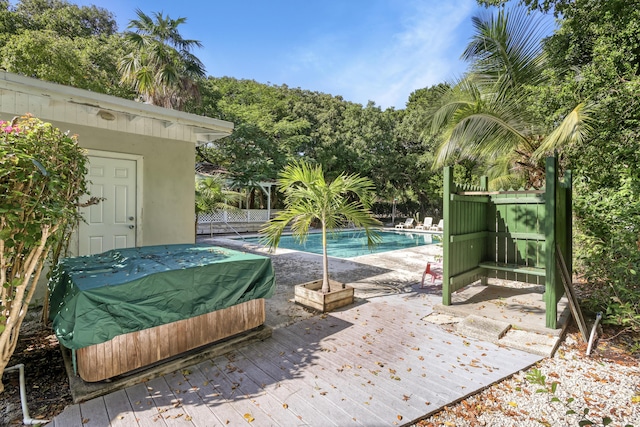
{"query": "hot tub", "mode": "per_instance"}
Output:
(128, 308)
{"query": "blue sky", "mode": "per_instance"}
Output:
(378, 50)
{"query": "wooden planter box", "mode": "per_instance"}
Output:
(310, 295)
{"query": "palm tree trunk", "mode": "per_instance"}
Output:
(325, 261)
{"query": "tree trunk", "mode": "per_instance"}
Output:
(325, 261)
(21, 297)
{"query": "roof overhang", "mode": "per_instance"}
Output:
(45, 99)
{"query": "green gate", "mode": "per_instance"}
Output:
(508, 235)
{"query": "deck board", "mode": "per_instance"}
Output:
(244, 405)
(167, 404)
(70, 417)
(200, 415)
(298, 405)
(145, 412)
(319, 399)
(94, 413)
(350, 399)
(374, 363)
(119, 409)
(240, 373)
(390, 344)
(412, 365)
(211, 399)
(370, 374)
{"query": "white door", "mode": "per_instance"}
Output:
(110, 224)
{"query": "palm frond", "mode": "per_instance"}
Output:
(574, 129)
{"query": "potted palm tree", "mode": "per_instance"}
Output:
(308, 197)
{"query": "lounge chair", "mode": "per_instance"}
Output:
(407, 224)
(426, 224)
(439, 227)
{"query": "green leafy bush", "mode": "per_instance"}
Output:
(608, 247)
(42, 174)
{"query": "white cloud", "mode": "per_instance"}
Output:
(424, 51)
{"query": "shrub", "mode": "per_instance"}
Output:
(42, 174)
(608, 247)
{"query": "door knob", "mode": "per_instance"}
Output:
(131, 227)
(130, 218)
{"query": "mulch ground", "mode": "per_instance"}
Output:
(46, 380)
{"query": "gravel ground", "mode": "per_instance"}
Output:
(588, 388)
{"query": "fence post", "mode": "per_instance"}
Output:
(484, 186)
(550, 296)
(448, 186)
(568, 213)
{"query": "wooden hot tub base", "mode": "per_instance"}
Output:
(135, 350)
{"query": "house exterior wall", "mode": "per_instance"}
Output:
(168, 181)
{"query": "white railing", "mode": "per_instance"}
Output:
(245, 215)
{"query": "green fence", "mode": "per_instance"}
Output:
(507, 234)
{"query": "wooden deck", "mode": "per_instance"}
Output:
(376, 363)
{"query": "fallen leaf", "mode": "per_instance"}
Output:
(399, 417)
(285, 406)
(512, 403)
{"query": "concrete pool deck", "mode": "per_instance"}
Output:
(507, 313)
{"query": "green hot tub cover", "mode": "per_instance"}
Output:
(96, 298)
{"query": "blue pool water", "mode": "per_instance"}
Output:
(348, 244)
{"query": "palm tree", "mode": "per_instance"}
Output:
(160, 66)
(309, 197)
(484, 117)
(212, 196)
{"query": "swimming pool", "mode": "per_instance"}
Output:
(349, 244)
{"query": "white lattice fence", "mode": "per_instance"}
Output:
(258, 215)
(251, 215)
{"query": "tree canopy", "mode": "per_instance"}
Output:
(159, 64)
